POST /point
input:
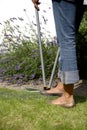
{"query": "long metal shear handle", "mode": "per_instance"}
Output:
(40, 44)
(41, 54)
(54, 67)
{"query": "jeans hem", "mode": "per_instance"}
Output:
(69, 77)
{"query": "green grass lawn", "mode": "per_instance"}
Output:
(25, 110)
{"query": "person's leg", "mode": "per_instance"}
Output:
(65, 29)
(64, 15)
(59, 17)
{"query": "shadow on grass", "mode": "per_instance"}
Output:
(80, 99)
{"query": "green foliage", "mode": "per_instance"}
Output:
(23, 63)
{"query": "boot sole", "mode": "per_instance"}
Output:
(69, 105)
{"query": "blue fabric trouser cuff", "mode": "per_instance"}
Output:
(69, 77)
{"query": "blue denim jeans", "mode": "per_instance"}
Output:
(65, 18)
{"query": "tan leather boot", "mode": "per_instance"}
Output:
(58, 90)
(66, 100)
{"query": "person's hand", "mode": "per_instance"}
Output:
(36, 3)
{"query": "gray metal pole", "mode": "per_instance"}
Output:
(41, 54)
(40, 44)
(54, 67)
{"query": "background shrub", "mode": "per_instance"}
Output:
(24, 62)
